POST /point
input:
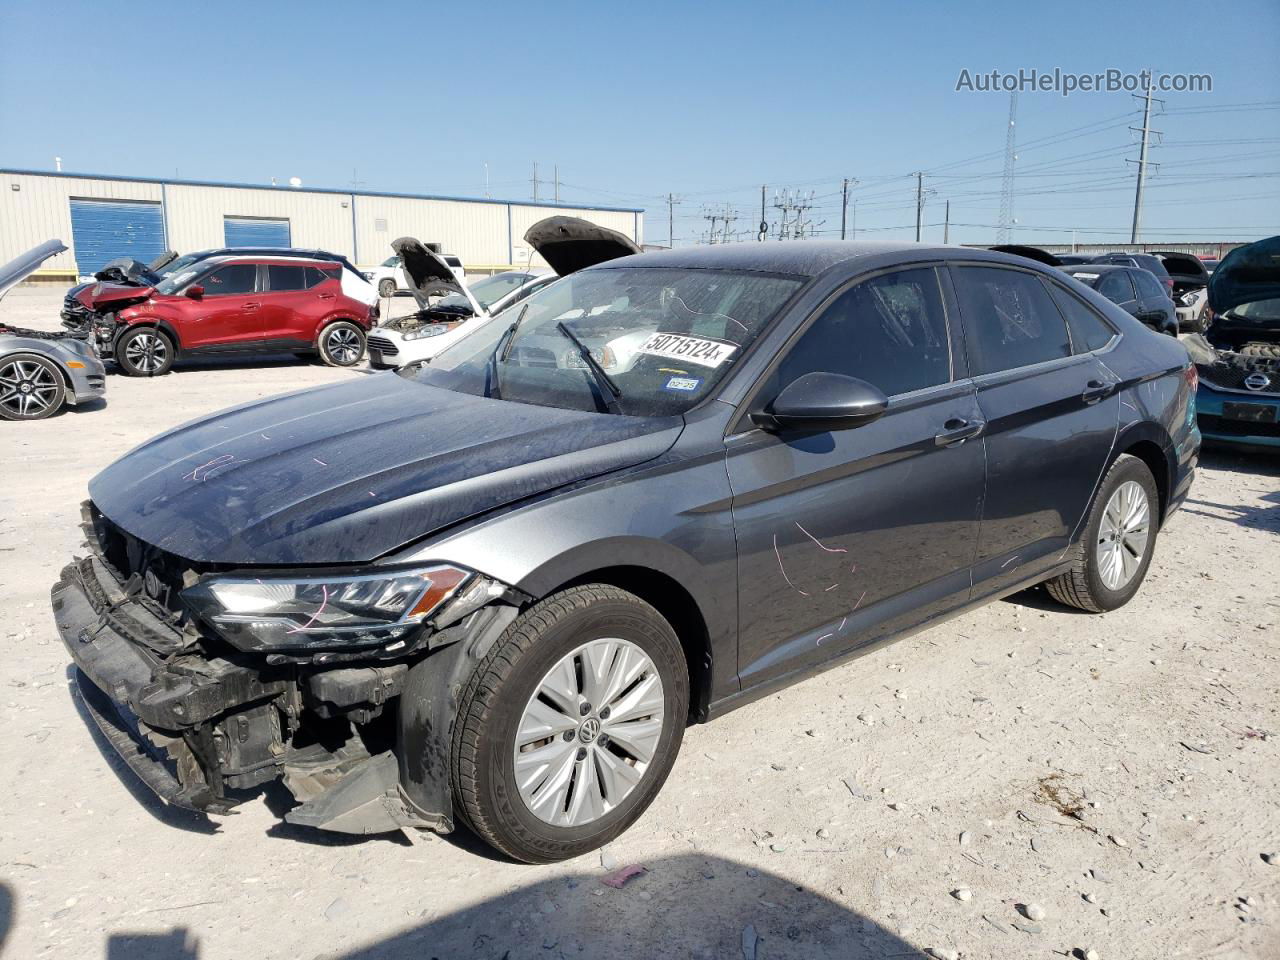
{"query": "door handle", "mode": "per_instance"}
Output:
(328, 296)
(1095, 390)
(252, 306)
(958, 431)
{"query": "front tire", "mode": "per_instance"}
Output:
(1112, 557)
(145, 352)
(387, 288)
(31, 387)
(341, 344)
(568, 728)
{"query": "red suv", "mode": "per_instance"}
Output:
(231, 304)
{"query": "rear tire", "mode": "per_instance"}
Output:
(31, 387)
(341, 344)
(145, 352)
(539, 771)
(1113, 554)
(387, 288)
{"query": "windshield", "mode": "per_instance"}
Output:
(391, 262)
(1261, 310)
(492, 289)
(177, 266)
(663, 337)
(176, 280)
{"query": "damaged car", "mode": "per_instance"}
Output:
(124, 272)
(1190, 288)
(41, 372)
(449, 309)
(1238, 357)
(492, 593)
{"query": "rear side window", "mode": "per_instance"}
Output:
(1009, 319)
(231, 279)
(1115, 286)
(282, 277)
(1148, 285)
(1088, 330)
(890, 331)
(316, 276)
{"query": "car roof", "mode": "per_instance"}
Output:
(319, 262)
(1099, 268)
(806, 258)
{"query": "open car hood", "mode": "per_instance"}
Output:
(1183, 266)
(428, 274)
(569, 244)
(1031, 253)
(1246, 275)
(25, 264)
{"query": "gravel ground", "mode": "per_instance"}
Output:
(1115, 778)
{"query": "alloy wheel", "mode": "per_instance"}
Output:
(27, 389)
(589, 732)
(344, 345)
(1123, 535)
(146, 352)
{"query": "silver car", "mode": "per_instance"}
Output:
(41, 371)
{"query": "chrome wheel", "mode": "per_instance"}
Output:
(589, 732)
(1123, 535)
(343, 345)
(27, 389)
(146, 352)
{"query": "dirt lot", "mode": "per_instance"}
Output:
(834, 819)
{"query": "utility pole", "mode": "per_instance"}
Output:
(730, 215)
(764, 224)
(671, 220)
(844, 205)
(555, 176)
(919, 203)
(1142, 160)
(946, 225)
(1005, 222)
(711, 215)
(535, 181)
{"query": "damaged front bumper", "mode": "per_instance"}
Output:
(1238, 400)
(201, 729)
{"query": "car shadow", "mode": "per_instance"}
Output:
(1222, 456)
(680, 906)
(1254, 518)
(8, 910)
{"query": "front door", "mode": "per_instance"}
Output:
(848, 535)
(230, 312)
(1051, 414)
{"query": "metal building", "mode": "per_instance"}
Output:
(101, 218)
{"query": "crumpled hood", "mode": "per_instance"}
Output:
(1246, 275)
(98, 295)
(349, 472)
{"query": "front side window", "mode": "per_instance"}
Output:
(663, 337)
(1088, 330)
(890, 331)
(1115, 286)
(234, 278)
(1009, 319)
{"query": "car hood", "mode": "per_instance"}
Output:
(134, 272)
(1031, 253)
(25, 264)
(95, 296)
(1247, 274)
(569, 244)
(428, 274)
(349, 472)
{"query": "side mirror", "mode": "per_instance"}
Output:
(195, 292)
(822, 401)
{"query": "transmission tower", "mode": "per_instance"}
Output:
(1142, 160)
(1004, 230)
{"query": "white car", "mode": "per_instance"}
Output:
(389, 277)
(566, 243)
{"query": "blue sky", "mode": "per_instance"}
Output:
(707, 101)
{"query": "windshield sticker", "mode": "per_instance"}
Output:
(1085, 276)
(674, 346)
(684, 384)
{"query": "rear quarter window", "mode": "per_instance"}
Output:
(1010, 320)
(1088, 330)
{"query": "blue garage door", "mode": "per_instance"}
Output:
(105, 230)
(255, 232)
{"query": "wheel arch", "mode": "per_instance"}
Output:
(160, 323)
(330, 320)
(1150, 444)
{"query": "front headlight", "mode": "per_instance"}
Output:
(334, 612)
(430, 330)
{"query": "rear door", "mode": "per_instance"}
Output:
(1116, 286)
(1051, 416)
(295, 298)
(1156, 307)
(848, 535)
(230, 312)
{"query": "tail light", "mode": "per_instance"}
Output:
(1192, 376)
